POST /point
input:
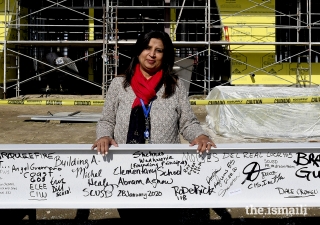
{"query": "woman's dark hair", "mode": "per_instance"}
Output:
(169, 78)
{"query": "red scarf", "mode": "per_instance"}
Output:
(144, 88)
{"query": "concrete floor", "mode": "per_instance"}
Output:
(111, 216)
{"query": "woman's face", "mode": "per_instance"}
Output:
(150, 59)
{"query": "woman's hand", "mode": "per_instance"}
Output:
(204, 143)
(103, 144)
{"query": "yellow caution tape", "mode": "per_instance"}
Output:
(85, 102)
(63, 102)
(309, 99)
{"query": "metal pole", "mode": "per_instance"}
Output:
(131, 42)
(206, 25)
(310, 40)
(5, 52)
(4, 70)
(298, 32)
(116, 55)
(18, 56)
(104, 55)
(299, 18)
(175, 29)
(209, 46)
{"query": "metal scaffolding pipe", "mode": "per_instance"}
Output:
(168, 22)
(178, 20)
(306, 26)
(310, 40)
(131, 42)
(55, 68)
(5, 52)
(209, 46)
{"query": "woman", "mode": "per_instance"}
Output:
(149, 103)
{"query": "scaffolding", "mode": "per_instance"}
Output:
(220, 36)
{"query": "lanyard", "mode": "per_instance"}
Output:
(146, 112)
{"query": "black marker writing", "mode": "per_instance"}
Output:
(253, 170)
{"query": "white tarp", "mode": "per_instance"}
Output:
(285, 120)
